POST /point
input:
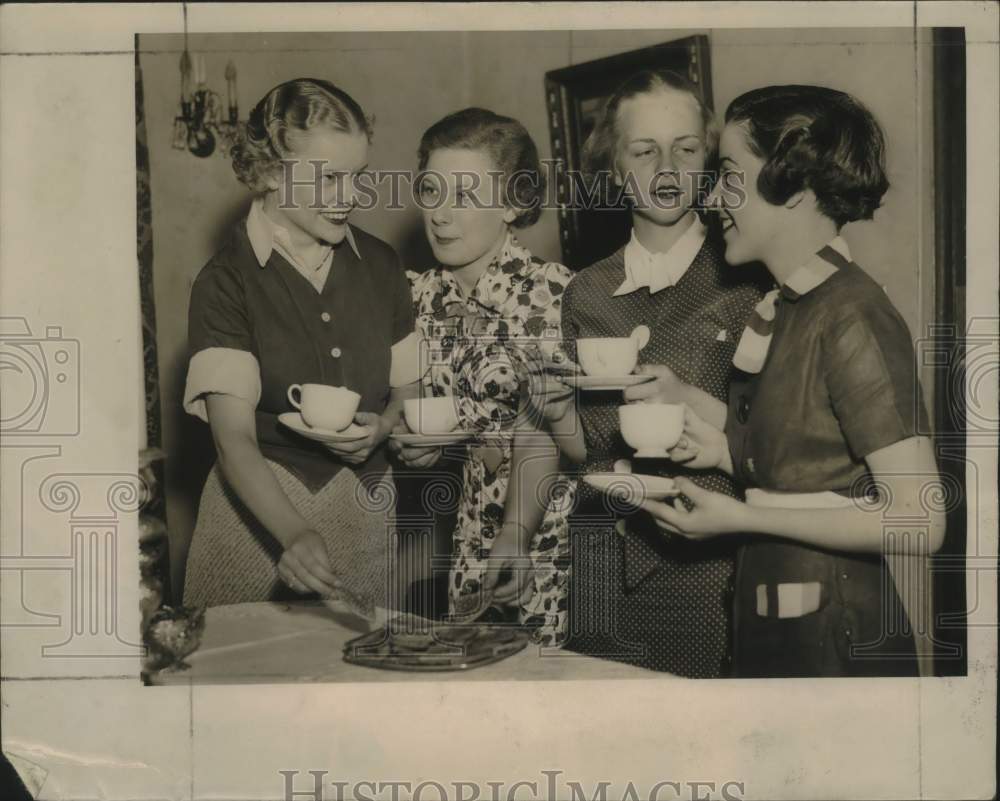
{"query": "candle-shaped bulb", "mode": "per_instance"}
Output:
(185, 76)
(231, 87)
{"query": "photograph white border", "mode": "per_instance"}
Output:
(67, 258)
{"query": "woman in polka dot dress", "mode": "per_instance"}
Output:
(636, 597)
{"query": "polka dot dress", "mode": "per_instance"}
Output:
(640, 595)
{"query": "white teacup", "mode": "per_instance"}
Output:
(607, 356)
(651, 428)
(431, 415)
(326, 407)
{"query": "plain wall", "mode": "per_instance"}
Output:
(409, 80)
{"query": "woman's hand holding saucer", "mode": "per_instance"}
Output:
(412, 456)
(554, 398)
(701, 446)
(712, 513)
(356, 451)
(666, 388)
(305, 566)
(549, 394)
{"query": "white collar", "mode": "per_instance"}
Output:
(815, 271)
(265, 234)
(839, 244)
(657, 271)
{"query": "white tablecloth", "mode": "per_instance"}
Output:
(303, 642)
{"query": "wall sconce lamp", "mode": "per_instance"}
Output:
(200, 127)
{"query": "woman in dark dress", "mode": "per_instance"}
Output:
(825, 424)
(634, 596)
(297, 295)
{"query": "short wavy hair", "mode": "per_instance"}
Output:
(812, 137)
(292, 107)
(600, 148)
(508, 145)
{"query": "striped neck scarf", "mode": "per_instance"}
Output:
(751, 352)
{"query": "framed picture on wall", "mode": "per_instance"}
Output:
(575, 97)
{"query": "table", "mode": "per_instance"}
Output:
(303, 642)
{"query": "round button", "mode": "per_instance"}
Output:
(336, 352)
(325, 317)
(743, 409)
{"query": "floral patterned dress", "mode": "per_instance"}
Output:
(478, 348)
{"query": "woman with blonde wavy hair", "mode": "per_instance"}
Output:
(297, 295)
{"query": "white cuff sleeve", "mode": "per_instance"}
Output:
(226, 371)
(405, 363)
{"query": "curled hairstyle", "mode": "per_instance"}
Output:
(508, 145)
(811, 137)
(599, 151)
(288, 109)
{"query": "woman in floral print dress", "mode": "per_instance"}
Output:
(485, 315)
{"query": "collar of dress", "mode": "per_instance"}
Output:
(751, 351)
(657, 271)
(826, 261)
(266, 235)
(505, 272)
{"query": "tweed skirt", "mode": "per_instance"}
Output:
(233, 559)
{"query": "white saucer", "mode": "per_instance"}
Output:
(294, 421)
(596, 382)
(651, 453)
(431, 440)
(634, 488)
